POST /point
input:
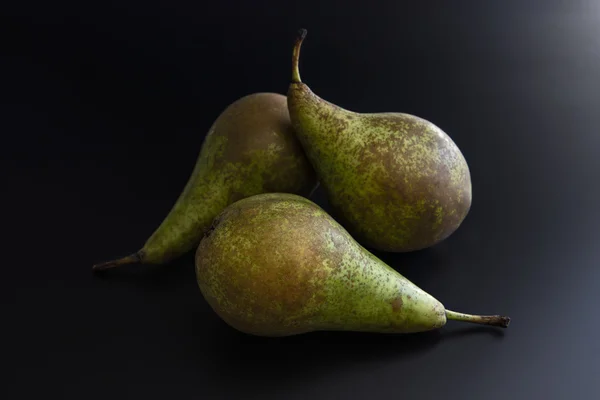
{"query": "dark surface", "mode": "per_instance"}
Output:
(104, 108)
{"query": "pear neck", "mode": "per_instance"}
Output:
(317, 119)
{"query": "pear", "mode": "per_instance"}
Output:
(249, 149)
(278, 265)
(397, 182)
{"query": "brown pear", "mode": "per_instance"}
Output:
(250, 149)
(278, 265)
(397, 182)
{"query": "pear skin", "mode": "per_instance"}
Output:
(250, 149)
(279, 265)
(397, 182)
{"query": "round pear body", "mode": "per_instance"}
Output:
(250, 149)
(278, 265)
(396, 181)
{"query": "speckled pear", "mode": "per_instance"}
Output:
(249, 149)
(396, 181)
(279, 265)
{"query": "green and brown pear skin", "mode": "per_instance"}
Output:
(250, 149)
(396, 181)
(279, 265)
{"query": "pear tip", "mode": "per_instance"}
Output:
(301, 34)
(493, 320)
(296, 55)
(504, 321)
(130, 259)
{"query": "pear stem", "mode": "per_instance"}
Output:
(493, 320)
(296, 56)
(130, 259)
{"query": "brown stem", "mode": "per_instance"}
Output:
(493, 320)
(130, 259)
(296, 56)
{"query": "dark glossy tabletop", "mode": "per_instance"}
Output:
(104, 109)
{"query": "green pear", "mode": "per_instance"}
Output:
(396, 181)
(278, 265)
(250, 149)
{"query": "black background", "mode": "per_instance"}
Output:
(104, 108)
